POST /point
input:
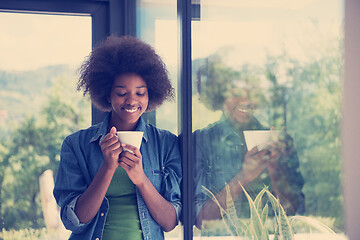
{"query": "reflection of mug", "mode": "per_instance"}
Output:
(260, 138)
(130, 137)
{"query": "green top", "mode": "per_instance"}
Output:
(122, 221)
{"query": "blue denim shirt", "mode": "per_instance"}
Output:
(81, 157)
(219, 155)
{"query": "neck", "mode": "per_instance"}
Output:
(124, 127)
(241, 126)
(121, 125)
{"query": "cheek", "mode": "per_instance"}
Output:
(116, 101)
(146, 102)
(145, 107)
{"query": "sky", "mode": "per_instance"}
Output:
(30, 41)
(249, 30)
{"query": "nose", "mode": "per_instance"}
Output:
(131, 99)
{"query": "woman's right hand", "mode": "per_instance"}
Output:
(111, 149)
(88, 204)
(253, 165)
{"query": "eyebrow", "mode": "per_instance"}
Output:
(120, 86)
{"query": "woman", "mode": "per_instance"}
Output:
(221, 156)
(221, 153)
(105, 192)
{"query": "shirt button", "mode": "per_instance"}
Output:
(102, 214)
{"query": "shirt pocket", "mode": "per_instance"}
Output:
(157, 177)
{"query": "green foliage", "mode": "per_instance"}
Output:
(304, 98)
(34, 234)
(33, 146)
(256, 228)
(315, 126)
(22, 93)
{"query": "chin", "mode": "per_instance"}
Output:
(243, 118)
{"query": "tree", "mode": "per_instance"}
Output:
(310, 109)
(314, 120)
(33, 147)
(304, 97)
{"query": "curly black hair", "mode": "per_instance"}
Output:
(122, 55)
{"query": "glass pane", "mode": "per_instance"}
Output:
(157, 25)
(267, 79)
(39, 106)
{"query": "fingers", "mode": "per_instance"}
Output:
(131, 156)
(110, 135)
(110, 139)
(111, 148)
(126, 166)
(113, 130)
(131, 161)
(253, 151)
(132, 149)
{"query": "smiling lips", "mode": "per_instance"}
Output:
(131, 110)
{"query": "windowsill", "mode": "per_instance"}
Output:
(299, 236)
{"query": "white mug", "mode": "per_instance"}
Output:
(133, 138)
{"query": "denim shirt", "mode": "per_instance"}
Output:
(81, 157)
(219, 155)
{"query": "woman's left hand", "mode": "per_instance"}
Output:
(131, 162)
(279, 154)
(162, 211)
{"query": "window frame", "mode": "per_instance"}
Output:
(106, 20)
(108, 17)
(351, 118)
(185, 114)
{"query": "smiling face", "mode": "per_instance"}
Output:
(129, 100)
(239, 109)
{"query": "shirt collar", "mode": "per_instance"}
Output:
(229, 131)
(141, 126)
(226, 128)
(103, 126)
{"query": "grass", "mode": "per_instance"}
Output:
(34, 234)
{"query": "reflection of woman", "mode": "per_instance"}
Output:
(222, 157)
(141, 198)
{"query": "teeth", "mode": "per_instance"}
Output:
(131, 110)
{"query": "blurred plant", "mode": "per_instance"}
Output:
(33, 147)
(304, 97)
(34, 234)
(256, 228)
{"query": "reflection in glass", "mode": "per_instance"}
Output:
(222, 155)
(39, 106)
(157, 25)
(277, 68)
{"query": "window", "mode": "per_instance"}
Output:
(39, 108)
(278, 47)
(157, 25)
(261, 66)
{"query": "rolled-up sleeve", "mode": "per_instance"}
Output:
(69, 185)
(171, 189)
(71, 217)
